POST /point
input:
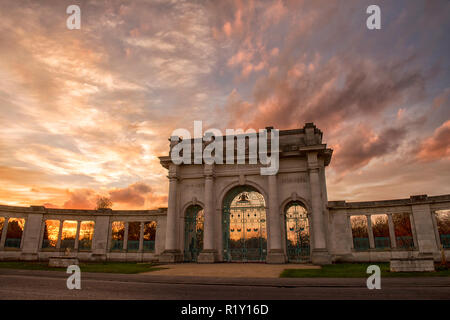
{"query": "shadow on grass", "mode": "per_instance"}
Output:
(106, 267)
(356, 270)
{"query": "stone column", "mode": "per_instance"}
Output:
(102, 234)
(413, 230)
(4, 231)
(41, 234)
(276, 252)
(426, 239)
(58, 242)
(209, 253)
(77, 236)
(31, 235)
(125, 237)
(320, 254)
(141, 237)
(436, 230)
(172, 253)
(349, 222)
(392, 232)
(160, 234)
(370, 232)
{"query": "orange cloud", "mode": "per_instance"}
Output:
(437, 146)
(81, 199)
(133, 194)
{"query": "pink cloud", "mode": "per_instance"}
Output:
(437, 146)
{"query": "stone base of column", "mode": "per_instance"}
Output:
(97, 257)
(276, 256)
(28, 256)
(320, 257)
(207, 256)
(171, 256)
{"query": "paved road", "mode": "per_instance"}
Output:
(24, 284)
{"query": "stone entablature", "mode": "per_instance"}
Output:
(31, 243)
(435, 201)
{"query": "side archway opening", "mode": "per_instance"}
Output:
(297, 232)
(193, 232)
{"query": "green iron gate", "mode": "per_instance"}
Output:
(193, 232)
(244, 226)
(297, 233)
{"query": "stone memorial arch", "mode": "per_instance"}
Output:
(230, 212)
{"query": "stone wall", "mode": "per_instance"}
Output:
(30, 246)
(421, 210)
(422, 214)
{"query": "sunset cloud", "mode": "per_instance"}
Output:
(437, 146)
(86, 113)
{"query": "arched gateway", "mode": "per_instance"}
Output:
(248, 216)
(244, 225)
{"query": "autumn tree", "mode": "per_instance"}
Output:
(104, 203)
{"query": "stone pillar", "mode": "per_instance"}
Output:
(276, 252)
(160, 233)
(31, 235)
(172, 253)
(349, 222)
(4, 231)
(77, 236)
(392, 232)
(413, 229)
(436, 231)
(340, 233)
(101, 235)
(125, 237)
(41, 235)
(370, 232)
(320, 254)
(423, 223)
(58, 242)
(209, 253)
(141, 237)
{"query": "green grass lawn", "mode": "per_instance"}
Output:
(355, 270)
(108, 267)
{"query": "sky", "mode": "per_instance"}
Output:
(86, 113)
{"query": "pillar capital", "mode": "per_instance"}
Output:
(173, 171)
(209, 176)
(208, 171)
(312, 160)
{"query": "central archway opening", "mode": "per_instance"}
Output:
(244, 225)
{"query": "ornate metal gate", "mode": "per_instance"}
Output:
(193, 232)
(297, 233)
(244, 225)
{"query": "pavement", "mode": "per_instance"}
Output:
(51, 285)
(229, 270)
